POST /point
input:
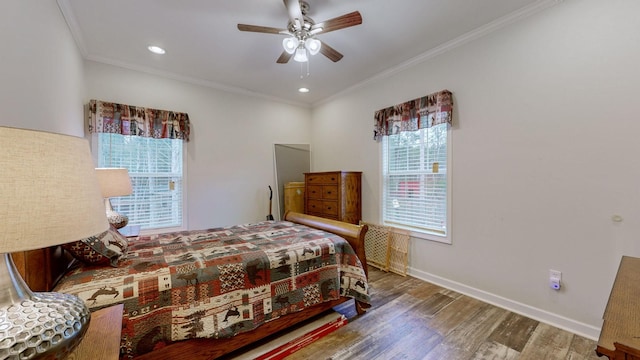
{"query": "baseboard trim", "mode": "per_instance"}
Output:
(576, 327)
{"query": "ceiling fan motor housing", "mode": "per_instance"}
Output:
(302, 30)
(304, 7)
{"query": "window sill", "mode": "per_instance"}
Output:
(425, 235)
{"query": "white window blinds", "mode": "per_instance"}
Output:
(156, 170)
(415, 180)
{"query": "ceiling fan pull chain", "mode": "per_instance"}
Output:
(302, 76)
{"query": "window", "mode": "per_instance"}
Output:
(156, 170)
(415, 182)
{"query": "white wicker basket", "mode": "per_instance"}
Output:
(387, 248)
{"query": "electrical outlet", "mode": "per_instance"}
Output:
(555, 279)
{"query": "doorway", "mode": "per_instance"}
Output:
(291, 162)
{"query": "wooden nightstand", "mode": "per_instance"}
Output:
(102, 340)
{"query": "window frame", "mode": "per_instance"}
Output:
(414, 232)
(157, 230)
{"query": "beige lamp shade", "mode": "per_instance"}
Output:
(114, 182)
(49, 193)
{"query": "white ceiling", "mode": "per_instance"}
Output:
(204, 45)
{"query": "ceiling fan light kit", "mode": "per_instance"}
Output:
(299, 47)
(301, 55)
(313, 45)
(301, 31)
(290, 44)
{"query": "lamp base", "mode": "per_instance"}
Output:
(50, 325)
(115, 218)
(37, 325)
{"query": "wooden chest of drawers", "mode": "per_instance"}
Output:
(334, 195)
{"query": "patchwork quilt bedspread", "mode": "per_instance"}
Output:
(219, 282)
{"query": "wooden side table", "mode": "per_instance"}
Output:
(102, 340)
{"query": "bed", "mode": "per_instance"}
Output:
(202, 294)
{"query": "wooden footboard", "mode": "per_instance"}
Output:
(354, 234)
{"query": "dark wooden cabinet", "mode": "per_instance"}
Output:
(334, 195)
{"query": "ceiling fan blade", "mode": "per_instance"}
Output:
(340, 22)
(330, 52)
(284, 58)
(261, 29)
(295, 13)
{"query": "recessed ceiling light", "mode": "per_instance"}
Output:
(156, 49)
(303, 90)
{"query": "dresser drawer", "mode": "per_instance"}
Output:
(322, 207)
(322, 179)
(314, 206)
(330, 207)
(314, 191)
(330, 192)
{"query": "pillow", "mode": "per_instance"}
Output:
(107, 248)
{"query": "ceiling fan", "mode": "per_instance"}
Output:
(302, 30)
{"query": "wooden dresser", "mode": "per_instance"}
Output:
(620, 334)
(334, 195)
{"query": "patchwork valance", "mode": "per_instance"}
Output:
(108, 117)
(419, 113)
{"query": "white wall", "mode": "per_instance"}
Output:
(230, 155)
(41, 76)
(545, 148)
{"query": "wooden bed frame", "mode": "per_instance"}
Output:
(213, 348)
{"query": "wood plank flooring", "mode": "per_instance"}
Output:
(412, 319)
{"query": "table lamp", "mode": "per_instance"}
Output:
(49, 195)
(114, 182)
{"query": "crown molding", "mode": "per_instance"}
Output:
(484, 30)
(72, 23)
(191, 80)
(500, 23)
